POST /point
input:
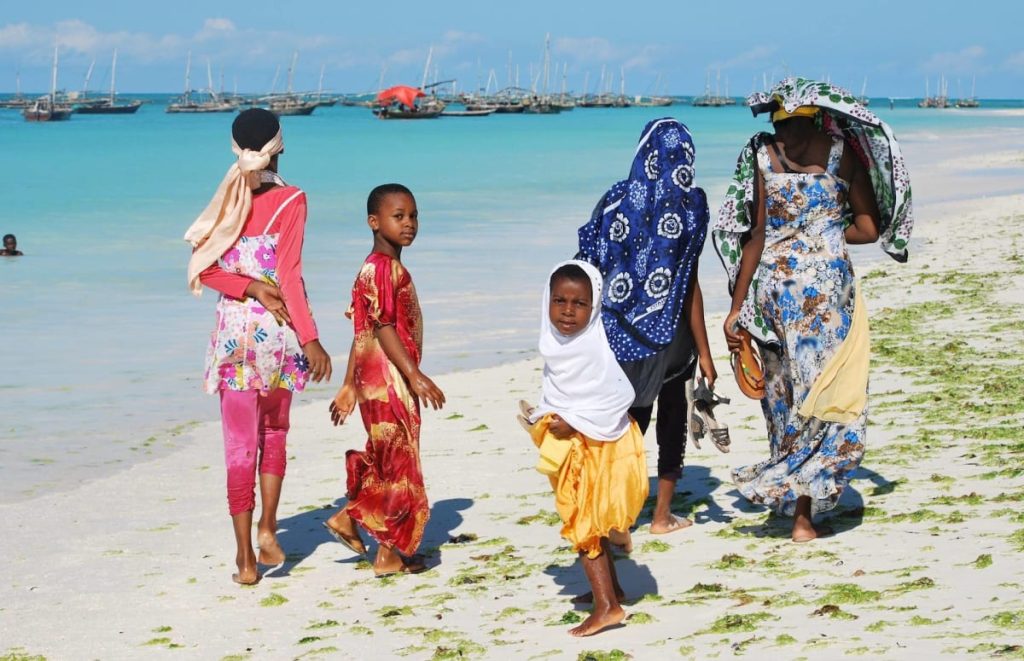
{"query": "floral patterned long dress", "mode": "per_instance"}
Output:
(806, 293)
(385, 482)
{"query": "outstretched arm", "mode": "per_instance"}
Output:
(749, 260)
(345, 401)
(419, 382)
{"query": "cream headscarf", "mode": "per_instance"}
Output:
(220, 224)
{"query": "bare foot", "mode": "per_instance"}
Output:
(588, 598)
(247, 573)
(270, 551)
(388, 562)
(670, 524)
(804, 532)
(623, 540)
(343, 528)
(599, 621)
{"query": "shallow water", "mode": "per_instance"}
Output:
(102, 344)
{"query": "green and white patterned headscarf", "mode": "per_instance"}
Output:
(871, 140)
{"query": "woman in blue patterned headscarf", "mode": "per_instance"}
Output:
(645, 236)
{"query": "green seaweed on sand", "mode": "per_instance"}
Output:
(704, 588)
(568, 617)
(547, 518)
(273, 599)
(306, 640)
(326, 624)
(394, 611)
(735, 622)
(834, 612)
(922, 621)
(480, 427)
(686, 650)
(923, 583)
(163, 629)
(982, 561)
(359, 630)
(600, 655)
(1008, 619)
(508, 612)
(966, 499)
(460, 649)
(640, 618)
(848, 593)
(785, 639)
(162, 642)
(320, 651)
(655, 546)
(18, 654)
(878, 626)
(731, 561)
(454, 416)
(236, 657)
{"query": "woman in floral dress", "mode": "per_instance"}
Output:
(248, 247)
(809, 194)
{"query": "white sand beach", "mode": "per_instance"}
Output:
(928, 559)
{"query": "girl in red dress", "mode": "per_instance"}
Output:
(386, 496)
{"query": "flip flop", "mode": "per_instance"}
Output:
(705, 401)
(525, 409)
(347, 543)
(695, 428)
(748, 368)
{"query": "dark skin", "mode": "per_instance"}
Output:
(270, 552)
(11, 248)
(805, 148)
(395, 225)
(571, 304)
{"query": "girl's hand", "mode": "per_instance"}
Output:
(319, 361)
(270, 298)
(426, 391)
(730, 327)
(343, 405)
(560, 429)
(707, 368)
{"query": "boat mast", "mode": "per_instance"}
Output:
(209, 79)
(426, 67)
(113, 77)
(273, 85)
(53, 83)
(320, 88)
(188, 76)
(88, 77)
(291, 71)
(547, 61)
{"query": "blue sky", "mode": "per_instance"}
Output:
(894, 44)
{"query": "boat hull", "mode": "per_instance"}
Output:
(110, 109)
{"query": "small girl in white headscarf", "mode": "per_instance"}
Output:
(591, 449)
(248, 246)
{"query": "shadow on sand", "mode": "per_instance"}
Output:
(302, 534)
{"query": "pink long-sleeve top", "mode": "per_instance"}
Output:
(290, 226)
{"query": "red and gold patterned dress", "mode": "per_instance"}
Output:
(385, 482)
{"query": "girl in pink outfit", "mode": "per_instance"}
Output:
(248, 247)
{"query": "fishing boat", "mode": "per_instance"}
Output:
(972, 100)
(49, 108)
(402, 102)
(940, 100)
(19, 100)
(194, 102)
(863, 98)
(110, 105)
(716, 100)
(476, 112)
(290, 103)
(543, 104)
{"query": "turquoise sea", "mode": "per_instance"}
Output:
(103, 345)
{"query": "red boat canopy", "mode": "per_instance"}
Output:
(402, 93)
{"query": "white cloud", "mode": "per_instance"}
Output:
(965, 61)
(586, 50)
(757, 56)
(1015, 62)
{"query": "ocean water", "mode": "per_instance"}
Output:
(103, 345)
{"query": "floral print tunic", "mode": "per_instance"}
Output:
(805, 292)
(249, 350)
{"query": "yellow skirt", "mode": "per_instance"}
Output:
(600, 486)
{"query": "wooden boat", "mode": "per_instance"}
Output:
(476, 112)
(109, 106)
(19, 100)
(48, 108)
(290, 104)
(194, 102)
(972, 100)
(393, 112)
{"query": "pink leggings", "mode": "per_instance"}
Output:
(255, 429)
